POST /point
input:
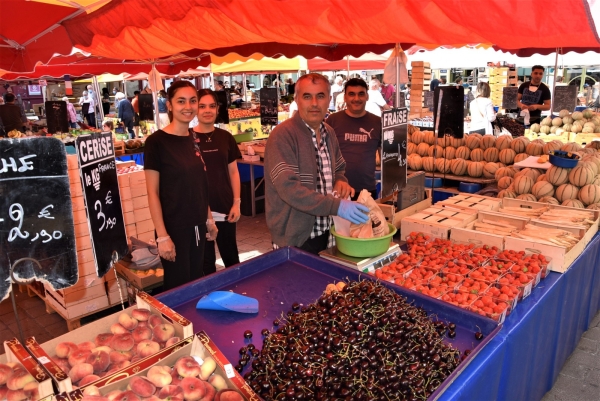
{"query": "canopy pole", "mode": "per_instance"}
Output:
(277, 87)
(348, 66)
(98, 106)
(212, 81)
(554, 83)
(397, 74)
(244, 88)
(155, 97)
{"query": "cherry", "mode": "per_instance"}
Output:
(451, 333)
(247, 334)
(479, 335)
(276, 322)
(295, 306)
(452, 326)
(265, 332)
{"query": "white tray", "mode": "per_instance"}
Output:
(531, 162)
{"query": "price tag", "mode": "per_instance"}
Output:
(527, 290)
(44, 360)
(229, 371)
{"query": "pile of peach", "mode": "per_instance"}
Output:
(132, 338)
(187, 380)
(16, 383)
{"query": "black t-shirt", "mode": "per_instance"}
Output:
(359, 140)
(10, 116)
(183, 182)
(534, 97)
(219, 149)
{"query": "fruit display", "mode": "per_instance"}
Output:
(514, 127)
(132, 144)
(16, 383)
(236, 114)
(586, 122)
(361, 341)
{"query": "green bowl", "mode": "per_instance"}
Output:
(363, 247)
(244, 137)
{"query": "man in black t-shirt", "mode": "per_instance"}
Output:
(534, 95)
(359, 135)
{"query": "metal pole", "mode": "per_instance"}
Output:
(212, 80)
(243, 87)
(554, 83)
(397, 74)
(99, 106)
(154, 96)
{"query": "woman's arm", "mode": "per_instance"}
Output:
(166, 247)
(234, 178)
(490, 113)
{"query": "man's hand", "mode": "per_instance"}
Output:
(343, 189)
(524, 107)
(532, 107)
(211, 231)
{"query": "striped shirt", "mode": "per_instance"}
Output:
(324, 179)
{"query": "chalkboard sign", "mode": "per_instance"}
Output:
(394, 126)
(428, 100)
(146, 107)
(223, 113)
(36, 217)
(98, 173)
(56, 116)
(565, 97)
(448, 111)
(509, 97)
(268, 106)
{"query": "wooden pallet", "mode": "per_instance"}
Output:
(463, 178)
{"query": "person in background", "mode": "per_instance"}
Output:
(87, 109)
(387, 91)
(290, 88)
(71, 113)
(125, 112)
(105, 101)
(304, 169)
(434, 84)
(376, 102)
(340, 102)
(458, 82)
(534, 95)
(336, 88)
(359, 135)
(93, 95)
(293, 108)
(135, 103)
(108, 126)
(163, 112)
(220, 152)
(482, 111)
(219, 87)
(10, 114)
(442, 81)
(177, 184)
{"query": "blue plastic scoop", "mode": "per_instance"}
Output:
(228, 301)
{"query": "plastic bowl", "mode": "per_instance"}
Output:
(560, 158)
(469, 187)
(363, 247)
(433, 182)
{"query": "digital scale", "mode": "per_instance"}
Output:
(365, 265)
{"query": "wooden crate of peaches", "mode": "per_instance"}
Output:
(478, 278)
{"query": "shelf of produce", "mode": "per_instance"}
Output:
(463, 178)
(280, 278)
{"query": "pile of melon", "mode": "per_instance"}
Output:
(585, 121)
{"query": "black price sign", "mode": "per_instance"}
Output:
(102, 198)
(36, 217)
(509, 97)
(565, 97)
(428, 99)
(394, 125)
(268, 106)
(146, 107)
(448, 111)
(56, 117)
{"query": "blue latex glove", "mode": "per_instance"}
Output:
(353, 211)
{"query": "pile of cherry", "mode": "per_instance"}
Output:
(478, 278)
(362, 341)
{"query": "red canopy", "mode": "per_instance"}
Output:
(367, 61)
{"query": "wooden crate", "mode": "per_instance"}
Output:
(395, 218)
(424, 64)
(470, 201)
(436, 221)
(140, 282)
(584, 139)
(468, 234)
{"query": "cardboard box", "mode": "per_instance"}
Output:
(130, 231)
(127, 205)
(128, 218)
(77, 296)
(76, 190)
(139, 202)
(137, 179)
(78, 203)
(124, 164)
(147, 236)
(419, 64)
(141, 214)
(144, 226)
(82, 230)
(470, 235)
(15, 352)
(86, 267)
(200, 346)
(125, 193)
(43, 352)
(72, 162)
(139, 282)
(470, 201)
(395, 218)
(87, 281)
(77, 310)
(82, 243)
(80, 216)
(436, 221)
(140, 191)
(74, 177)
(123, 180)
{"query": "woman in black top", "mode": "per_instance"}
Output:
(105, 101)
(220, 152)
(178, 190)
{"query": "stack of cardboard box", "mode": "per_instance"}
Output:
(419, 83)
(134, 200)
(498, 78)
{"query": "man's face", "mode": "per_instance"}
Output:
(313, 101)
(356, 99)
(536, 76)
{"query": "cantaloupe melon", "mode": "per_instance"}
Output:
(519, 145)
(503, 142)
(472, 141)
(589, 194)
(549, 147)
(577, 115)
(542, 177)
(463, 152)
(477, 155)
(504, 182)
(442, 165)
(411, 148)
(450, 152)
(557, 175)
(458, 166)
(568, 127)
(563, 113)
(429, 137)
(581, 175)
(505, 193)
(545, 129)
(491, 154)
(570, 147)
(489, 170)
(504, 172)
(535, 128)
(417, 137)
(542, 189)
(549, 199)
(588, 113)
(414, 162)
(456, 142)
(523, 184)
(435, 151)
(428, 164)
(487, 141)
(422, 149)
(557, 121)
(534, 149)
(576, 203)
(595, 206)
(591, 165)
(566, 191)
(546, 122)
(475, 169)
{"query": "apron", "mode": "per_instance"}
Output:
(85, 108)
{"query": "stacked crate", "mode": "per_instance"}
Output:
(134, 200)
(419, 84)
(500, 77)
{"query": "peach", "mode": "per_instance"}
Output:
(16, 395)
(5, 372)
(193, 388)
(118, 328)
(152, 398)
(163, 332)
(62, 363)
(3, 391)
(135, 359)
(87, 345)
(31, 391)
(141, 315)
(122, 342)
(143, 324)
(147, 348)
(126, 396)
(94, 398)
(114, 394)
(160, 376)
(80, 371)
(79, 356)
(141, 333)
(176, 378)
(18, 379)
(154, 320)
(141, 386)
(228, 395)
(217, 382)
(103, 339)
(14, 365)
(118, 366)
(187, 367)
(99, 360)
(207, 368)
(171, 392)
(210, 393)
(127, 321)
(119, 356)
(104, 348)
(91, 390)
(88, 379)
(64, 349)
(172, 341)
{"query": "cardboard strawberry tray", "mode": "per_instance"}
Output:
(208, 374)
(109, 345)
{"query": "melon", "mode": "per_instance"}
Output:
(542, 188)
(576, 128)
(571, 147)
(414, 162)
(567, 120)
(568, 127)
(588, 113)
(435, 151)
(527, 197)
(411, 148)
(442, 165)
(475, 170)
(550, 146)
(563, 113)
(581, 175)
(523, 184)
(456, 142)
(472, 141)
(591, 165)
(596, 180)
(505, 182)
(417, 137)
(520, 157)
(553, 130)
(507, 156)
(577, 115)
(547, 122)
(549, 199)
(572, 203)
(477, 155)
(519, 145)
(491, 154)
(422, 149)
(541, 178)
(507, 194)
(531, 173)
(540, 141)
(589, 194)
(458, 166)
(503, 142)
(587, 130)
(450, 152)
(593, 159)
(429, 137)
(557, 121)
(595, 206)
(535, 128)
(504, 172)
(489, 170)
(428, 164)
(557, 175)
(488, 141)
(534, 149)
(463, 152)
(566, 191)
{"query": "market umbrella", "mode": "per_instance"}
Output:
(368, 61)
